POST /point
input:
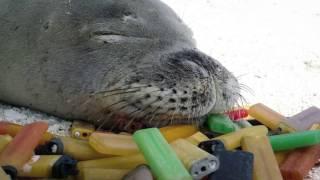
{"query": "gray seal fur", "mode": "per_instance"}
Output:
(92, 60)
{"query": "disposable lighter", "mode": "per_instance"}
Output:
(270, 118)
(139, 173)
(299, 162)
(237, 114)
(77, 149)
(232, 140)
(197, 138)
(171, 133)
(212, 146)
(290, 141)
(49, 166)
(121, 162)
(303, 120)
(315, 127)
(281, 156)
(243, 123)
(199, 162)
(102, 174)
(265, 164)
(113, 144)
(81, 130)
(4, 141)
(20, 149)
(161, 158)
(228, 170)
(4, 175)
(220, 123)
(13, 129)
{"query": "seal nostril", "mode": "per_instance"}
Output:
(149, 85)
(174, 91)
(161, 89)
(224, 95)
(182, 108)
(172, 100)
(185, 92)
(160, 98)
(147, 96)
(183, 100)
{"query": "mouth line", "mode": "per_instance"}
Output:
(156, 121)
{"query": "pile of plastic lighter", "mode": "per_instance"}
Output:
(249, 143)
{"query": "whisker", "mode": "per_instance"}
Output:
(114, 104)
(127, 92)
(120, 89)
(105, 121)
(153, 114)
(241, 75)
(246, 88)
(129, 123)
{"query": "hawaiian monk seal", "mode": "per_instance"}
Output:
(92, 60)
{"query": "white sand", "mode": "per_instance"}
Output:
(274, 46)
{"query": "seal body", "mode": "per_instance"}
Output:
(94, 59)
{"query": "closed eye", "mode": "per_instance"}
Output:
(112, 37)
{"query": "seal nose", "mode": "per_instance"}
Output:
(187, 65)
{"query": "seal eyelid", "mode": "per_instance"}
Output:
(106, 33)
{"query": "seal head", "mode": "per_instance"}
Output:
(94, 60)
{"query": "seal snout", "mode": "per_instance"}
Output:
(185, 85)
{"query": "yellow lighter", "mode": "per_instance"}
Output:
(49, 166)
(102, 174)
(4, 141)
(122, 162)
(265, 165)
(233, 140)
(199, 162)
(81, 130)
(197, 138)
